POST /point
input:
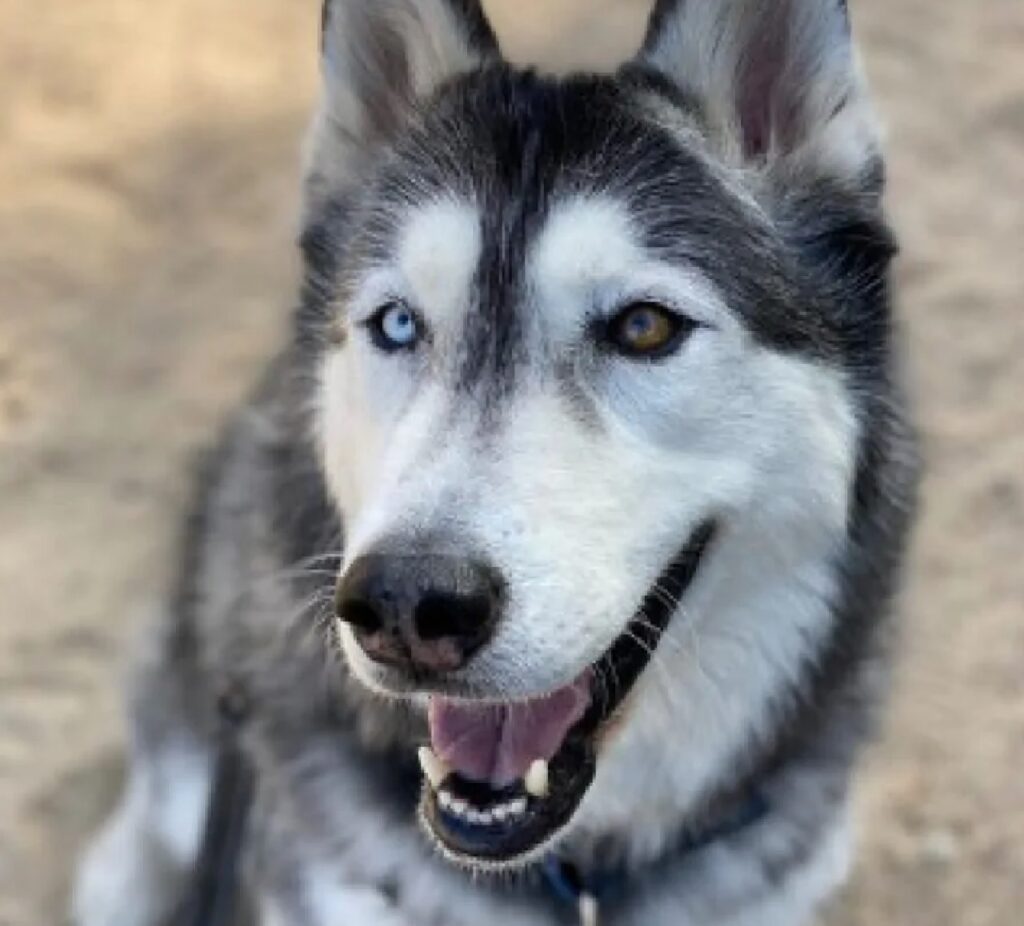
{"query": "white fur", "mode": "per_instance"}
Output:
(436, 256)
(438, 252)
(328, 901)
(344, 886)
(588, 260)
(133, 873)
(582, 519)
(367, 396)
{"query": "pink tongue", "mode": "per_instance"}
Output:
(497, 742)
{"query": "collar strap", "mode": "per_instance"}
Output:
(567, 884)
(215, 890)
(587, 891)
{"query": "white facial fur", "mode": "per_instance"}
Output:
(582, 516)
(367, 398)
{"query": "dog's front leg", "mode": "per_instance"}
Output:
(135, 871)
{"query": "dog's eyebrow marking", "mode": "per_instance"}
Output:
(585, 241)
(592, 254)
(438, 251)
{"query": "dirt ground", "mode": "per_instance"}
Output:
(148, 169)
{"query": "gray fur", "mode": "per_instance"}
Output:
(786, 223)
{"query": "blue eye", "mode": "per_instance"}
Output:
(395, 327)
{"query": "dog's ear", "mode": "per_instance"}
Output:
(380, 58)
(776, 79)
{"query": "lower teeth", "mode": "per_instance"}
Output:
(500, 813)
(436, 771)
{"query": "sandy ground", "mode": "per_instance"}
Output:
(148, 166)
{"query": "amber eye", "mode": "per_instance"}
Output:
(645, 329)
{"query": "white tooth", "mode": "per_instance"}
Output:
(486, 817)
(537, 779)
(588, 910)
(517, 807)
(500, 812)
(458, 807)
(433, 768)
(444, 799)
(475, 816)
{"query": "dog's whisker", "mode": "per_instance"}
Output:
(297, 618)
(664, 680)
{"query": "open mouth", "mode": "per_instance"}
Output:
(503, 778)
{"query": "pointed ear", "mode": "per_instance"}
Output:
(379, 59)
(777, 79)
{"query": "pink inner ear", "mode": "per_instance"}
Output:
(767, 101)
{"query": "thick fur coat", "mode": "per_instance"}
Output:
(731, 177)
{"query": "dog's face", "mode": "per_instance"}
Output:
(583, 400)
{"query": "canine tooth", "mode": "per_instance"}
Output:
(433, 768)
(537, 779)
(444, 799)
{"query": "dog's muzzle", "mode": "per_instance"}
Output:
(501, 779)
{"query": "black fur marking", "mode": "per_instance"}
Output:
(513, 143)
(322, 244)
(843, 253)
(518, 205)
(478, 30)
(663, 9)
(216, 886)
(814, 279)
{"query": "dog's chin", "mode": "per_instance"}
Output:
(504, 812)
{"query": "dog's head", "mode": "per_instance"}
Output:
(584, 394)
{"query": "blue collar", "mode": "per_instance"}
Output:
(588, 891)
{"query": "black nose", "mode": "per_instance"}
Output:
(420, 612)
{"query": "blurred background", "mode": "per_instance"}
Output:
(149, 160)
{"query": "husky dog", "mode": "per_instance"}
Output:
(596, 378)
